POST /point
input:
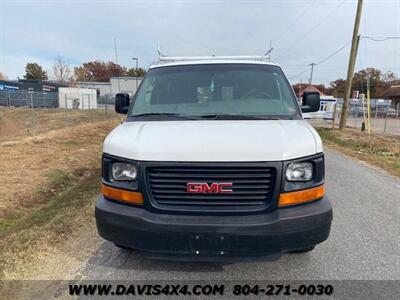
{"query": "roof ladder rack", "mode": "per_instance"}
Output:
(164, 58)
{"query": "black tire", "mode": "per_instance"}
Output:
(123, 247)
(303, 250)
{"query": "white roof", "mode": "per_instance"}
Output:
(92, 83)
(177, 61)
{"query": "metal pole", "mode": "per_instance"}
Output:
(312, 71)
(33, 116)
(137, 80)
(386, 117)
(90, 111)
(106, 105)
(66, 114)
(397, 110)
(369, 105)
(352, 61)
(136, 71)
(355, 122)
(116, 61)
(83, 102)
(334, 115)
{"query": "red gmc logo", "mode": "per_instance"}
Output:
(213, 188)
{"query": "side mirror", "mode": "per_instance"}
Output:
(122, 102)
(311, 102)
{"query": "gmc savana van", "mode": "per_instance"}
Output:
(214, 162)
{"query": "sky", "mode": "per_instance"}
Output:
(301, 31)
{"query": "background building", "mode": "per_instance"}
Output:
(124, 84)
(102, 88)
(6, 85)
(77, 98)
(393, 93)
(40, 85)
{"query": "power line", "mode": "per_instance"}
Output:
(323, 60)
(297, 75)
(316, 26)
(296, 19)
(374, 39)
(333, 54)
(381, 39)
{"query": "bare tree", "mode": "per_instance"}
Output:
(2, 76)
(60, 70)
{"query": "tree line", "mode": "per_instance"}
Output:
(98, 71)
(101, 71)
(378, 81)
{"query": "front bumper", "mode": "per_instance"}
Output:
(204, 238)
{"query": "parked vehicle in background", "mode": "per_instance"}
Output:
(325, 111)
(391, 112)
(214, 162)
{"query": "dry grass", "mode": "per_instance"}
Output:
(47, 178)
(31, 164)
(381, 150)
(18, 123)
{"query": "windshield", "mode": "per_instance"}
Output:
(216, 90)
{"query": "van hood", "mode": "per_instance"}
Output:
(213, 140)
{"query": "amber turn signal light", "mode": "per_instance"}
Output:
(122, 195)
(302, 196)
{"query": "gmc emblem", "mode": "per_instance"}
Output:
(213, 188)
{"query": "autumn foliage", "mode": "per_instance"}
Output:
(101, 71)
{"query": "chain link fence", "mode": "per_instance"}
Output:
(24, 113)
(384, 116)
(23, 98)
(40, 111)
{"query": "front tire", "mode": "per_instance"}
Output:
(303, 250)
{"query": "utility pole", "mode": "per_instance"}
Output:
(352, 62)
(312, 71)
(301, 89)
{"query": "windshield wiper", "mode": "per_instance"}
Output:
(236, 117)
(178, 116)
(210, 116)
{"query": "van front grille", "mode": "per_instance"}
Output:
(248, 185)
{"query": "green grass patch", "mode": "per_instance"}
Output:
(57, 178)
(50, 220)
(72, 197)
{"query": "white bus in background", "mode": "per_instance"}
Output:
(325, 111)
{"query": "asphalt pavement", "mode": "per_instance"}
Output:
(364, 241)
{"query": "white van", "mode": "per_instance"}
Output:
(214, 162)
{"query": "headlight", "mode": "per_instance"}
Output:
(301, 171)
(123, 171)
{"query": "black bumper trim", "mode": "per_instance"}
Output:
(184, 237)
